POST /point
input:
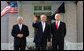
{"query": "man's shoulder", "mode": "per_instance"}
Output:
(47, 23)
(63, 23)
(52, 23)
(37, 22)
(24, 25)
(15, 25)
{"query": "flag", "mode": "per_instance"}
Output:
(60, 9)
(11, 8)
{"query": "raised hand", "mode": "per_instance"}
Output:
(35, 18)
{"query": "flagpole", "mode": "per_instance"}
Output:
(19, 8)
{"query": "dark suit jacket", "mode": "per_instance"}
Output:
(15, 31)
(39, 34)
(60, 33)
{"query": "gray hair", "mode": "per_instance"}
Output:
(42, 16)
(56, 15)
(19, 18)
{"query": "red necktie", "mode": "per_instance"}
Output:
(57, 25)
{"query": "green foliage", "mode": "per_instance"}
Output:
(32, 47)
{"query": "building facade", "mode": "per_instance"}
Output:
(73, 17)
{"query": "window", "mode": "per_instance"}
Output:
(42, 9)
(47, 7)
(37, 7)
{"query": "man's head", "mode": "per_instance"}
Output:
(43, 17)
(20, 20)
(57, 17)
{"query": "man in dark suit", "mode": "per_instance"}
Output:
(42, 33)
(20, 32)
(58, 30)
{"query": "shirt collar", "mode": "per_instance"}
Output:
(42, 22)
(20, 24)
(58, 21)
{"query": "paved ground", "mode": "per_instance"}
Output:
(67, 46)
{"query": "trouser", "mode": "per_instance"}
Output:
(58, 45)
(19, 47)
(41, 46)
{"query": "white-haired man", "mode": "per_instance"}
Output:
(20, 32)
(42, 34)
(58, 29)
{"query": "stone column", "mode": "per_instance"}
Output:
(4, 24)
(70, 20)
(80, 21)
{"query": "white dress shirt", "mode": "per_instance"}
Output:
(58, 23)
(43, 26)
(20, 26)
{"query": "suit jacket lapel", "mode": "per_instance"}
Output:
(55, 25)
(22, 27)
(18, 27)
(60, 25)
(45, 26)
(41, 27)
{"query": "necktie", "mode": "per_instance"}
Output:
(57, 25)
